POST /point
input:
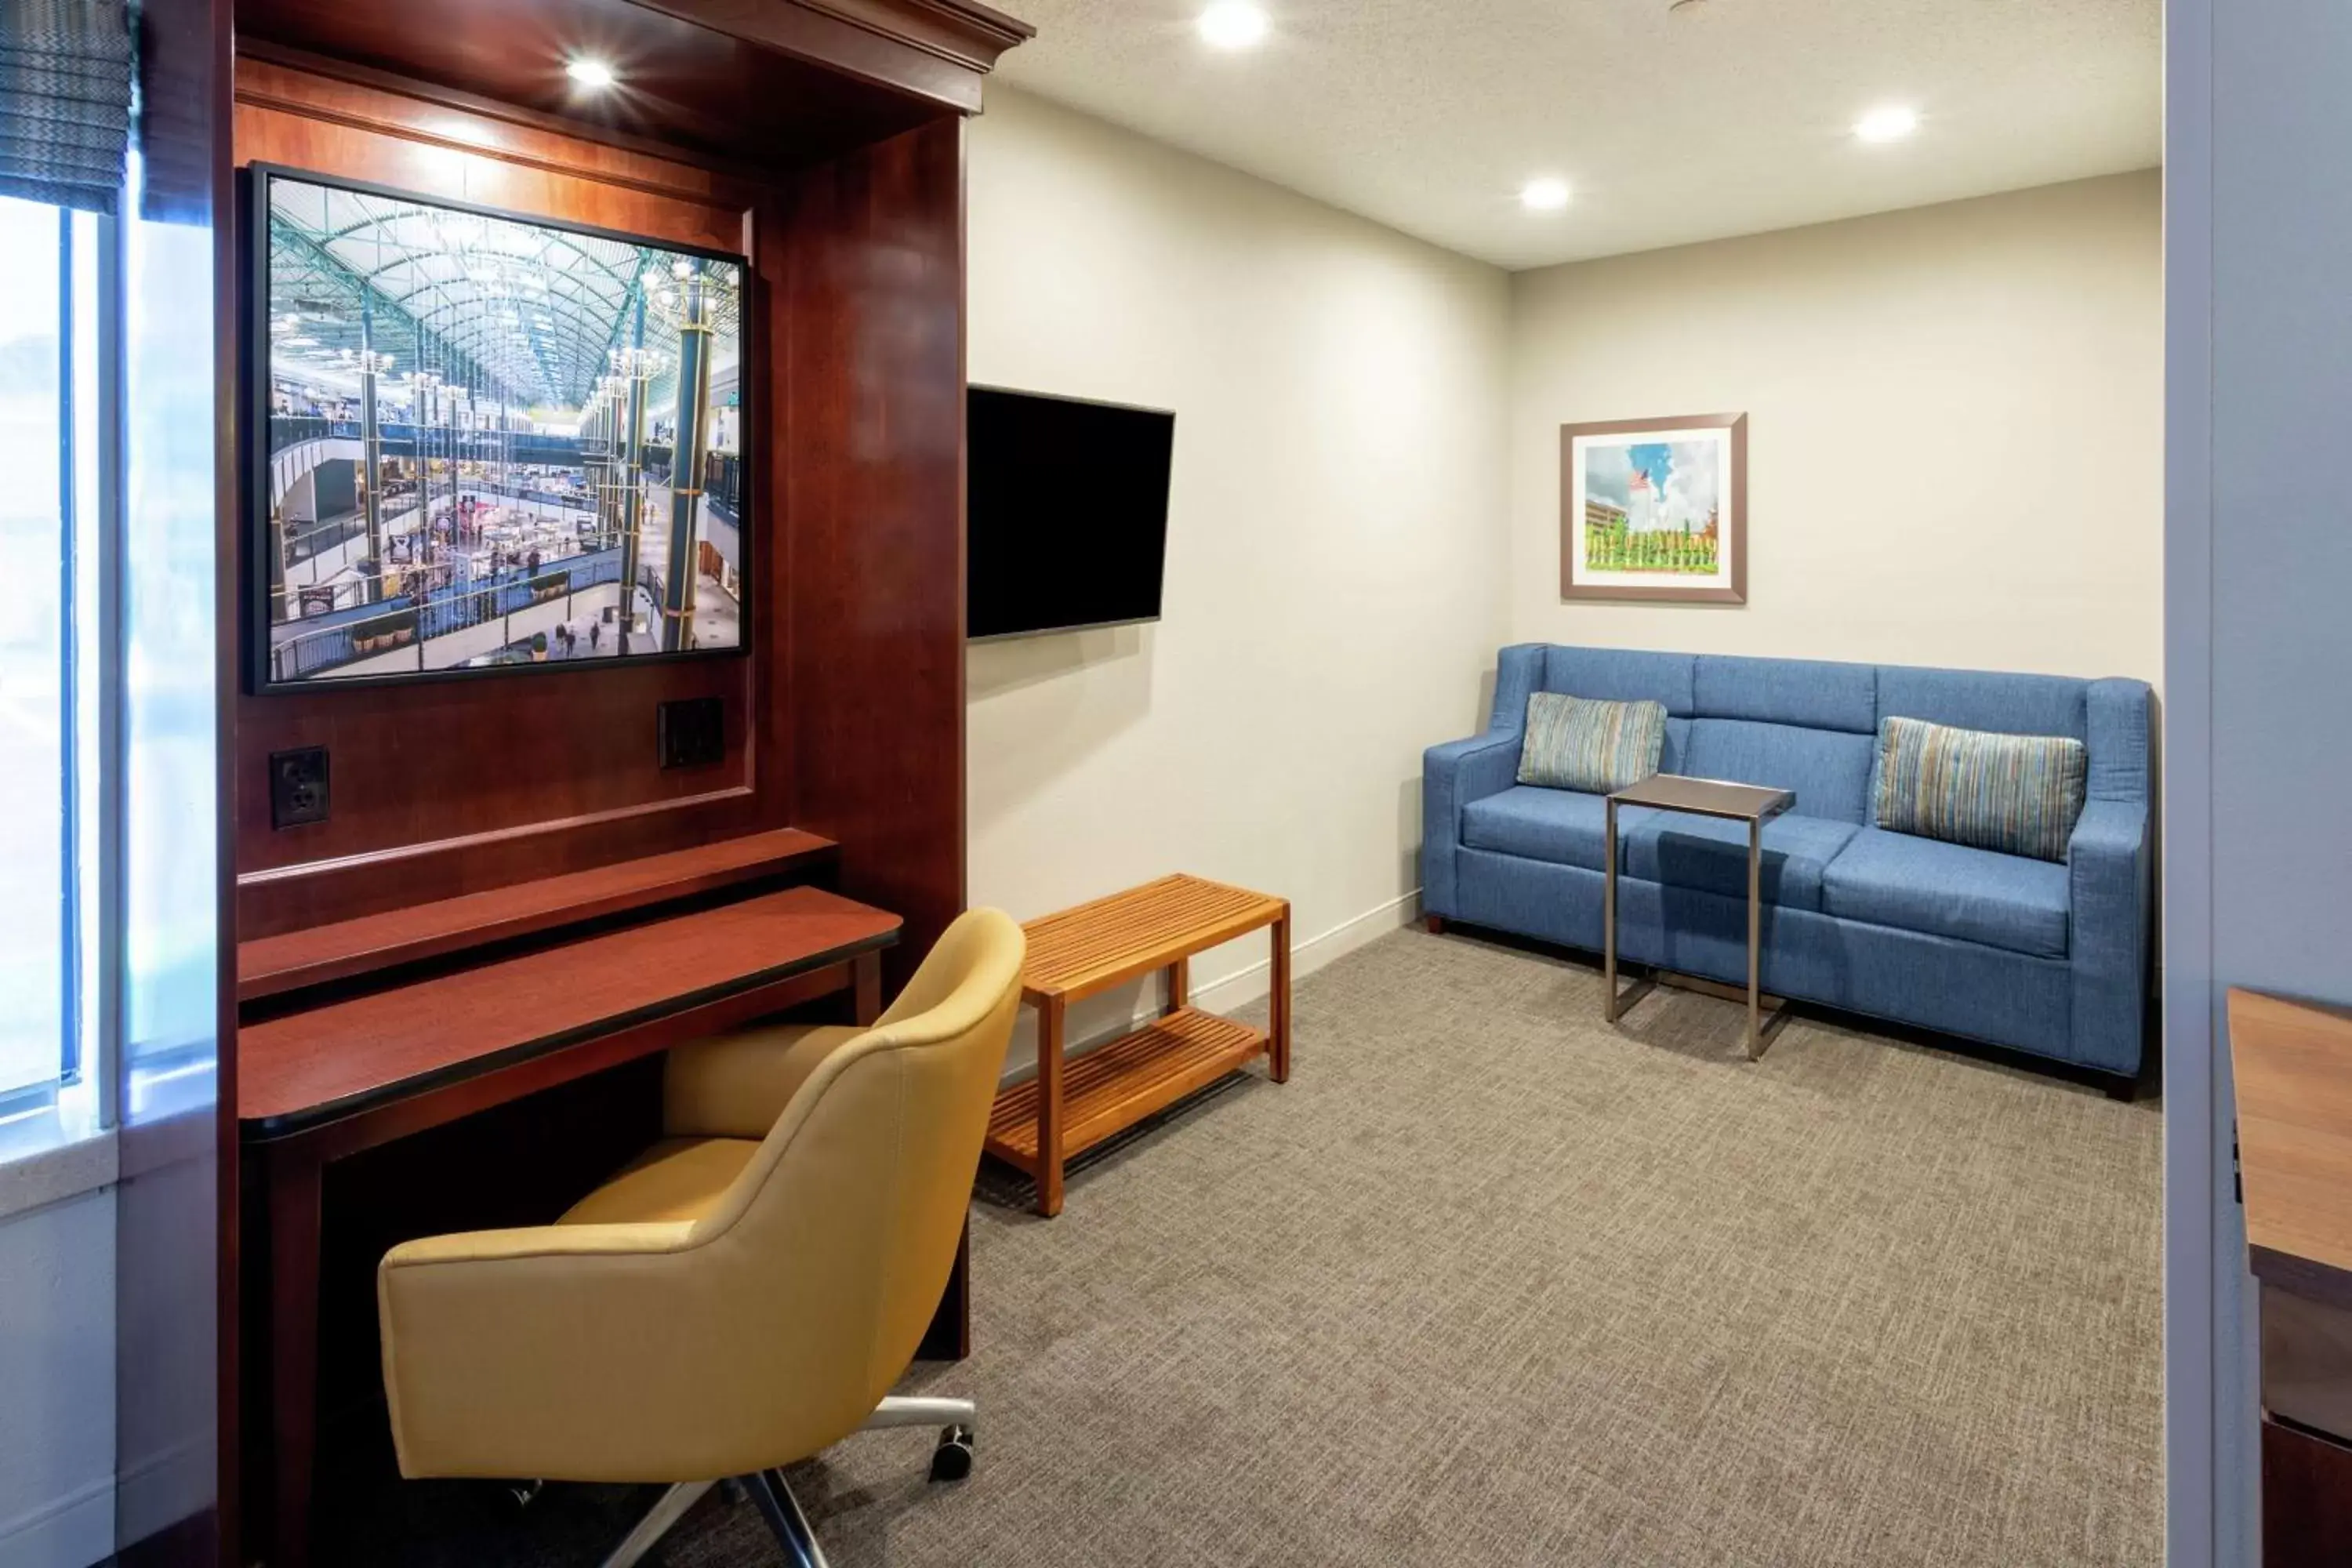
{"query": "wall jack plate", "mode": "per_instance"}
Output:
(692, 733)
(298, 786)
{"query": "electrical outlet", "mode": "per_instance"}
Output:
(298, 786)
(692, 733)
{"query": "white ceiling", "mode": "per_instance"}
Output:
(1722, 116)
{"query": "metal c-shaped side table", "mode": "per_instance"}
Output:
(1753, 804)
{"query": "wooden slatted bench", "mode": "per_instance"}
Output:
(1070, 1107)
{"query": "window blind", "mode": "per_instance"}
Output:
(64, 101)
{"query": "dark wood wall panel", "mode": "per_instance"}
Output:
(869, 378)
(2306, 1499)
(447, 788)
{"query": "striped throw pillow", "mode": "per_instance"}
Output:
(2016, 793)
(1577, 743)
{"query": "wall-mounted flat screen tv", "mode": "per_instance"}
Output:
(1066, 512)
(487, 442)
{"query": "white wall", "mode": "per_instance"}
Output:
(57, 1383)
(1334, 582)
(1955, 429)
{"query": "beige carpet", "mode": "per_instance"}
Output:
(1490, 1282)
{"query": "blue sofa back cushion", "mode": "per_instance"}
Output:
(1976, 699)
(1829, 768)
(1618, 676)
(2111, 717)
(1810, 693)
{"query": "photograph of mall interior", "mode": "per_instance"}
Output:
(1108, 783)
(474, 430)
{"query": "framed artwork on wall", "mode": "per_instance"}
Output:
(1654, 510)
(487, 442)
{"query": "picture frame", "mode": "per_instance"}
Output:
(1655, 511)
(447, 441)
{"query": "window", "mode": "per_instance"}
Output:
(51, 404)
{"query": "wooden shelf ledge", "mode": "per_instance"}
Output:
(273, 965)
(1115, 1085)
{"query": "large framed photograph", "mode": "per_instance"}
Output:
(487, 442)
(1656, 510)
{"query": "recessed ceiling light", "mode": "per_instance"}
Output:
(1544, 196)
(589, 72)
(1232, 25)
(1891, 123)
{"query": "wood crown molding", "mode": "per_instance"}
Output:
(861, 38)
(963, 31)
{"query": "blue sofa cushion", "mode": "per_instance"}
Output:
(1709, 854)
(1560, 826)
(1829, 769)
(1949, 889)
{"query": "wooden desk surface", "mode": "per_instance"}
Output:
(1094, 946)
(1706, 797)
(295, 1071)
(2293, 1065)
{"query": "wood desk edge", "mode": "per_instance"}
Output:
(275, 1127)
(2253, 1017)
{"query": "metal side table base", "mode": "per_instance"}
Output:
(1705, 797)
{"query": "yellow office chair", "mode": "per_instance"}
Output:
(743, 1294)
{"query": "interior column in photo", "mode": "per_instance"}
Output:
(687, 449)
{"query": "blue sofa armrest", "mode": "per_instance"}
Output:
(2107, 886)
(1452, 776)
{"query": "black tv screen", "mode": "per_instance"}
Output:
(1068, 513)
(486, 441)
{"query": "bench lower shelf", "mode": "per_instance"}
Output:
(1116, 1085)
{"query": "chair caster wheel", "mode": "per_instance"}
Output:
(952, 1461)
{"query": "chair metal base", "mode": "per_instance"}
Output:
(919, 1411)
(666, 1514)
(783, 1513)
(773, 1495)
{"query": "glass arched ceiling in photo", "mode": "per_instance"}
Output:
(517, 311)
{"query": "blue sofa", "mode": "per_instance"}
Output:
(2037, 956)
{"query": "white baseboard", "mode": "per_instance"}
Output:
(1105, 1019)
(1249, 983)
(161, 1488)
(73, 1532)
